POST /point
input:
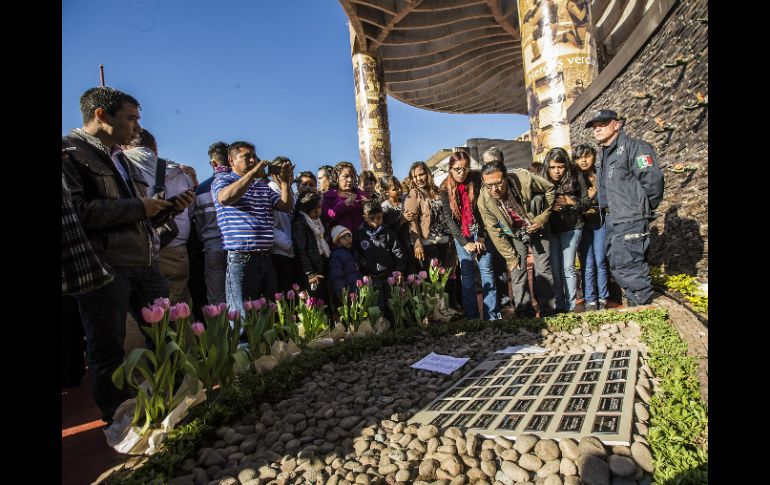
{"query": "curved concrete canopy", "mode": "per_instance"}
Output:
(464, 56)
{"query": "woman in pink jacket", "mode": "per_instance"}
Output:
(343, 201)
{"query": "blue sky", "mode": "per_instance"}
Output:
(276, 73)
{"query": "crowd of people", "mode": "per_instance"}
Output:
(254, 229)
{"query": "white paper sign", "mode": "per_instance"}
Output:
(445, 364)
(522, 349)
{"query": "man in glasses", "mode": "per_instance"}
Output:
(505, 207)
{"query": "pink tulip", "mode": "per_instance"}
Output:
(391, 281)
(222, 307)
(310, 302)
(396, 274)
(441, 271)
(263, 301)
(423, 275)
(303, 295)
(417, 282)
(278, 296)
(359, 283)
(182, 310)
(434, 263)
(211, 311)
(295, 287)
(353, 296)
(153, 314)
(164, 303)
(290, 295)
(410, 278)
(257, 305)
(366, 280)
(248, 305)
(233, 314)
(197, 328)
(273, 307)
(172, 314)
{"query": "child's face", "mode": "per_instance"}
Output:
(374, 220)
(315, 213)
(346, 240)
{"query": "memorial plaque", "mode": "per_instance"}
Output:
(606, 424)
(552, 395)
(539, 422)
(510, 421)
(571, 423)
(549, 405)
(614, 404)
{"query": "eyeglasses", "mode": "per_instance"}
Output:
(460, 170)
(495, 185)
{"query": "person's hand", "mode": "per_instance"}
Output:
(480, 246)
(259, 166)
(470, 247)
(287, 172)
(153, 206)
(183, 200)
(410, 216)
(591, 192)
(314, 279)
(419, 252)
(534, 227)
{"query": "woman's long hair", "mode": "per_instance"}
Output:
(335, 176)
(388, 182)
(581, 151)
(431, 190)
(568, 184)
(450, 184)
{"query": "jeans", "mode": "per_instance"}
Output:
(563, 250)
(216, 271)
(104, 320)
(543, 276)
(249, 276)
(594, 259)
(489, 290)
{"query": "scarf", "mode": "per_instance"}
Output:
(318, 230)
(465, 211)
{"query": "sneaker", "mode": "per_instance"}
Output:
(602, 304)
(592, 307)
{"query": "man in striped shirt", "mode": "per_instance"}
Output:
(245, 204)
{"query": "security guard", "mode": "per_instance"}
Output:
(630, 189)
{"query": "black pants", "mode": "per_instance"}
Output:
(73, 364)
(627, 244)
(543, 284)
(285, 272)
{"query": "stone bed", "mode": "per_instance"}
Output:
(346, 423)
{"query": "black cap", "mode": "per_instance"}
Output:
(602, 115)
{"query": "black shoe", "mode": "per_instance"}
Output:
(592, 307)
(602, 304)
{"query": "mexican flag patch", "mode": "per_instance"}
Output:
(644, 161)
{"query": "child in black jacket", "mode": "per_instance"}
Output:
(378, 252)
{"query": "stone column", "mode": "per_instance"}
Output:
(372, 111)
(559, 54)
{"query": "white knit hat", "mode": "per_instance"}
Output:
(338, 231)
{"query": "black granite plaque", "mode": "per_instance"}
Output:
(570, 367)
(614, 388)
(462, 420)
(549, 368)
(471, 392)
(510, 391)
(498, 405)
(606, 424)
(522, 405)
(549, 405)
(490, 391)
(598, 356)
(533, 390)
(483, 421)
(619, 364)
(483, 382)
(436, 406)
(529, 369)
(584, 389)
(457, 405)
(542, 378)
(454, 392)
(539, 422)
(520, 362)
(476, 405)
(575, 358)
(557, 390)
(466, 383)
(621, 353)
(578, 404)
(571, 422)
(565, 377)
(617, 375)
(520, 380)
(555, 359)
(441, 419)
(510, 421)
(611, 404)
(590, 376)
(595, 364)
(500, 381)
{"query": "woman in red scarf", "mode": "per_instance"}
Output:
(459, 194)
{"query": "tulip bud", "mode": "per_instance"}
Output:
(359, 283)
(303, 295)
(391, 281)
(441, 271)
(366, 280)
(182, 310)
(417, 282)
(222, 307)
(290, 295)
(164, 303)
(273, 307)
(263, 301)
(278, 296)
(434, 263)
(153, 314)
(197, 328)
(410, 278)
(172, 314)
(396, 274)
(353, 296)
(248, 305)
(211, 311)
(423, 275)
(295, 287)
(310, 301)
(232, 315)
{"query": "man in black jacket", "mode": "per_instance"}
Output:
(630, 189)
(110, 198)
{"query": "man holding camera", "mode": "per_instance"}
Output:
(245, 202)
(110, 198)
(630, 189)
(505, 204)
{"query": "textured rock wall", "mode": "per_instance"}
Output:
(653, 97)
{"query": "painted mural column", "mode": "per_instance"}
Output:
(559, 55)
(372, 111)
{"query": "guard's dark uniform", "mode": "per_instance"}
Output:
(630, 189)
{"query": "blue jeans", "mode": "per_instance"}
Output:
(594, 259)
(467, 272)
(103, 312)
(563, 251)
(249, 276)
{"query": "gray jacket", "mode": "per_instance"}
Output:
(633, 182)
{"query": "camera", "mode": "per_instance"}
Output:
(274, 167)
(522, 235)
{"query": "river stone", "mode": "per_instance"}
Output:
(642, 456)
(271, 438)
(386, 469)
(501, 477)
(453, 433)
(549, 468)
(567, 467)
(402, 476)
(249, 446)
(572, 480)
(594, 470)
(489, 468)
(427, 432)
(591, 445)
(641, 412)
(569, 448)
(469, 461)
(433, 444)
(363, 478)
(622, 481)
(214, 459)
(503, 442)
(444, 475)
(510, 455)
(349, 423)
(530, 462)
(552, 480)
(428, 468)
(525, 442)
(643, 394)
(360, 447)
(641, 429)
(471, 441)
(621, 465)
(514, 471)
(547, 450)
(452, 465)
(292, 446)
(621, 450)
(487, 455)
